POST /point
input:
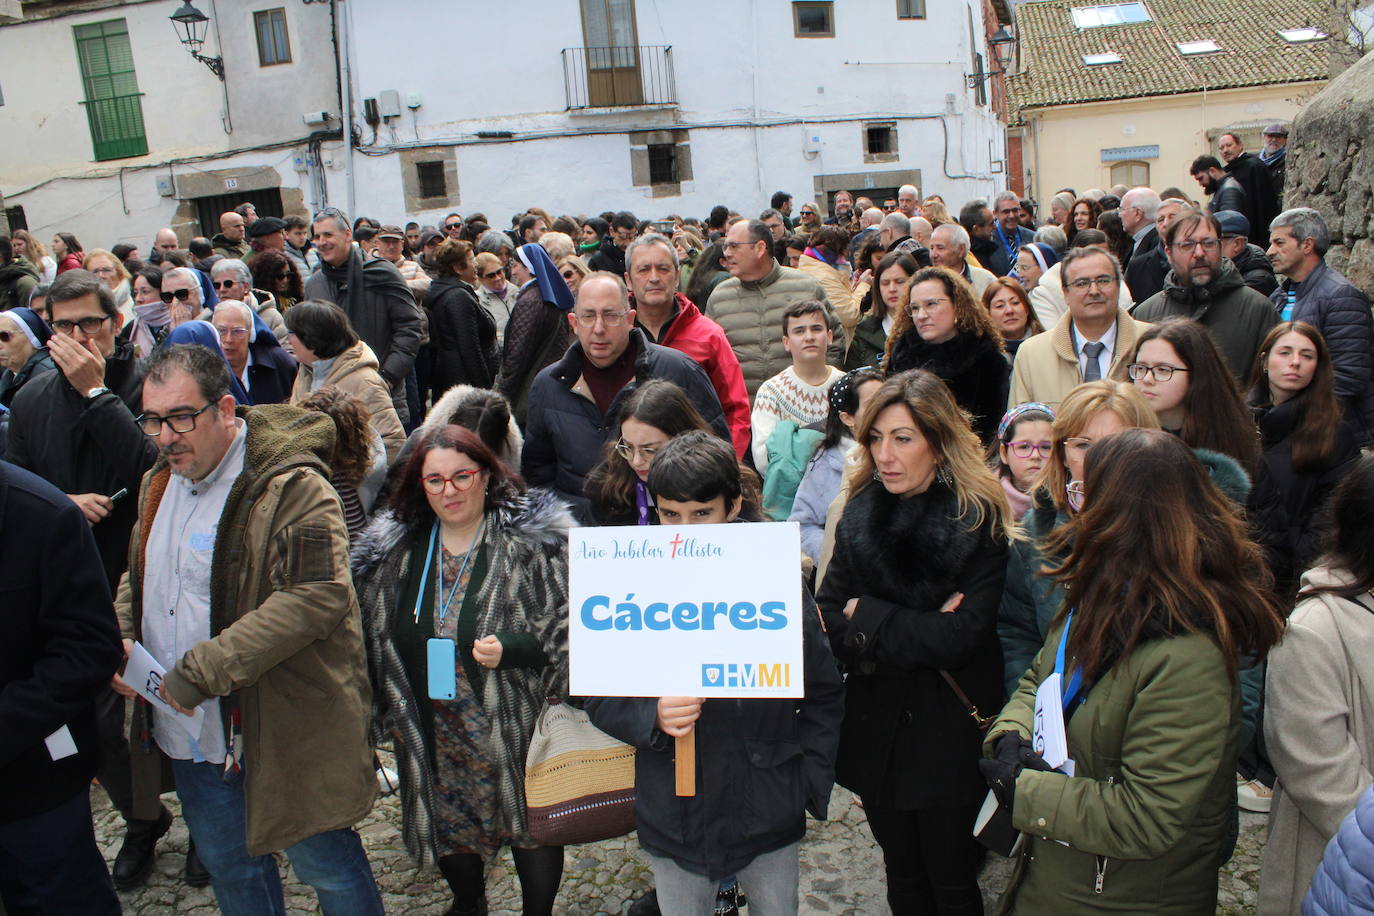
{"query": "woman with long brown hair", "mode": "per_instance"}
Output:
(945, 330)
(910, 605)
(891, 290)
(1177, 367)
(1083, 215)
(1307, 442)
(1168, 595)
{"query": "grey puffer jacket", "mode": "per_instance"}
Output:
(751, 315)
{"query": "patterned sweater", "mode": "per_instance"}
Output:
(786, 397)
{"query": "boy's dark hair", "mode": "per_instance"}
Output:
(696, 466)
(801, 308)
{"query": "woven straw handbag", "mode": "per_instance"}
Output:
(579, 781)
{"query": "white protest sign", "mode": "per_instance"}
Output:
(693, 610)
(144, 673)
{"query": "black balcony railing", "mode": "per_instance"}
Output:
(611, 77)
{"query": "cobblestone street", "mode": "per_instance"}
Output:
(841, 869)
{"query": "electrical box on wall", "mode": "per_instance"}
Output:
(412, 100)
(317, 118)
(811, 139)
(389, 103)
(165, 186)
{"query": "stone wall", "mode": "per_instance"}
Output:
(1331, 168)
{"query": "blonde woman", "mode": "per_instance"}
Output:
(29, 248)
(113, 274)
(916, 630)
(573, 269)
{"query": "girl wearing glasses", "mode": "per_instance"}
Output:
(1023, 446)
(1307, 441)
(650, 415)
(1178, 369)
(944, 330)
(462, 581)
(1090, 412)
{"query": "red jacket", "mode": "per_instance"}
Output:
(704, 340)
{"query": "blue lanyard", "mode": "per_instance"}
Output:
(1074, 684)
(424, 576)
(1009, 245)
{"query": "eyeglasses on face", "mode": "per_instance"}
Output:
(181, 423)
(462, 481)
(449, 227)
(609, 319)
(1105, 281)
(7, 336)
(1187, 246)
(224, 284)
(88, 325)
(492, 275)
(929, 305)
(628, 451)
(231, 333)
(569, 274)
(1077, 445)
(1138, 371)
(1024, 448)
(167, 295)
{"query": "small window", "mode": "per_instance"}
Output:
(813, 20)
(1132, 173)
(880, 139)
(1107, 57)
(911, 9)
(1298, 36)
(1094, 17)
(274, 46)
(431, 178)
(1206, 46)
(662, 163)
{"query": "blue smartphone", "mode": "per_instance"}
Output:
(442, 664)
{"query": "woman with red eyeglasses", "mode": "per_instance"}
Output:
(463, 585)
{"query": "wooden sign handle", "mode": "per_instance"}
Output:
(685, 759)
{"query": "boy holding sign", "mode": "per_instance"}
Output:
(761, 764)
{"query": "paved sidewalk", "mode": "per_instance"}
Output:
(842, 870)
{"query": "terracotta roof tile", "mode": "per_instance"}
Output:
(1052, 71)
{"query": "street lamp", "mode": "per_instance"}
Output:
(190, 24)
(1000, 42)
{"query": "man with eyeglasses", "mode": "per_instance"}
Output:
(1206, 287)
(233, 280)
(240, 589)
(1093, 340)
(1007, 234)
(391, 247)
(610, 257)
(668, 318)
(374, 295)
(749, 304)
(265, 370)
(452, 225)
(573, 402)
(810, 220)
(75, 428)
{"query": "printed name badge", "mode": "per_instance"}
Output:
(695, 610)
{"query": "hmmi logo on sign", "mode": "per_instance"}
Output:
(745, 675)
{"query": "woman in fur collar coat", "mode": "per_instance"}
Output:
(944, 329)
(464, 554)
(910, 605)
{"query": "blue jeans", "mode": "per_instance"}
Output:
(50, 865)
(333, 863)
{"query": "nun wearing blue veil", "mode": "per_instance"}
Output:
(204, 334)
(538, 332)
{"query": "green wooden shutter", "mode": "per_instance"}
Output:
(114, 106)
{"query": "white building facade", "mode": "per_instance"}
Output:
(662, 107)
(113, 130)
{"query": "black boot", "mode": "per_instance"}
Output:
(646, 905)
(196, 874)
(136, 856)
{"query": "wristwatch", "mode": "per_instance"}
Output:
(96, 392)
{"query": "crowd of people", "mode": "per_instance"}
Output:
(1102, 467)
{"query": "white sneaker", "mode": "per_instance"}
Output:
(390, 782)
(1253, 795)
